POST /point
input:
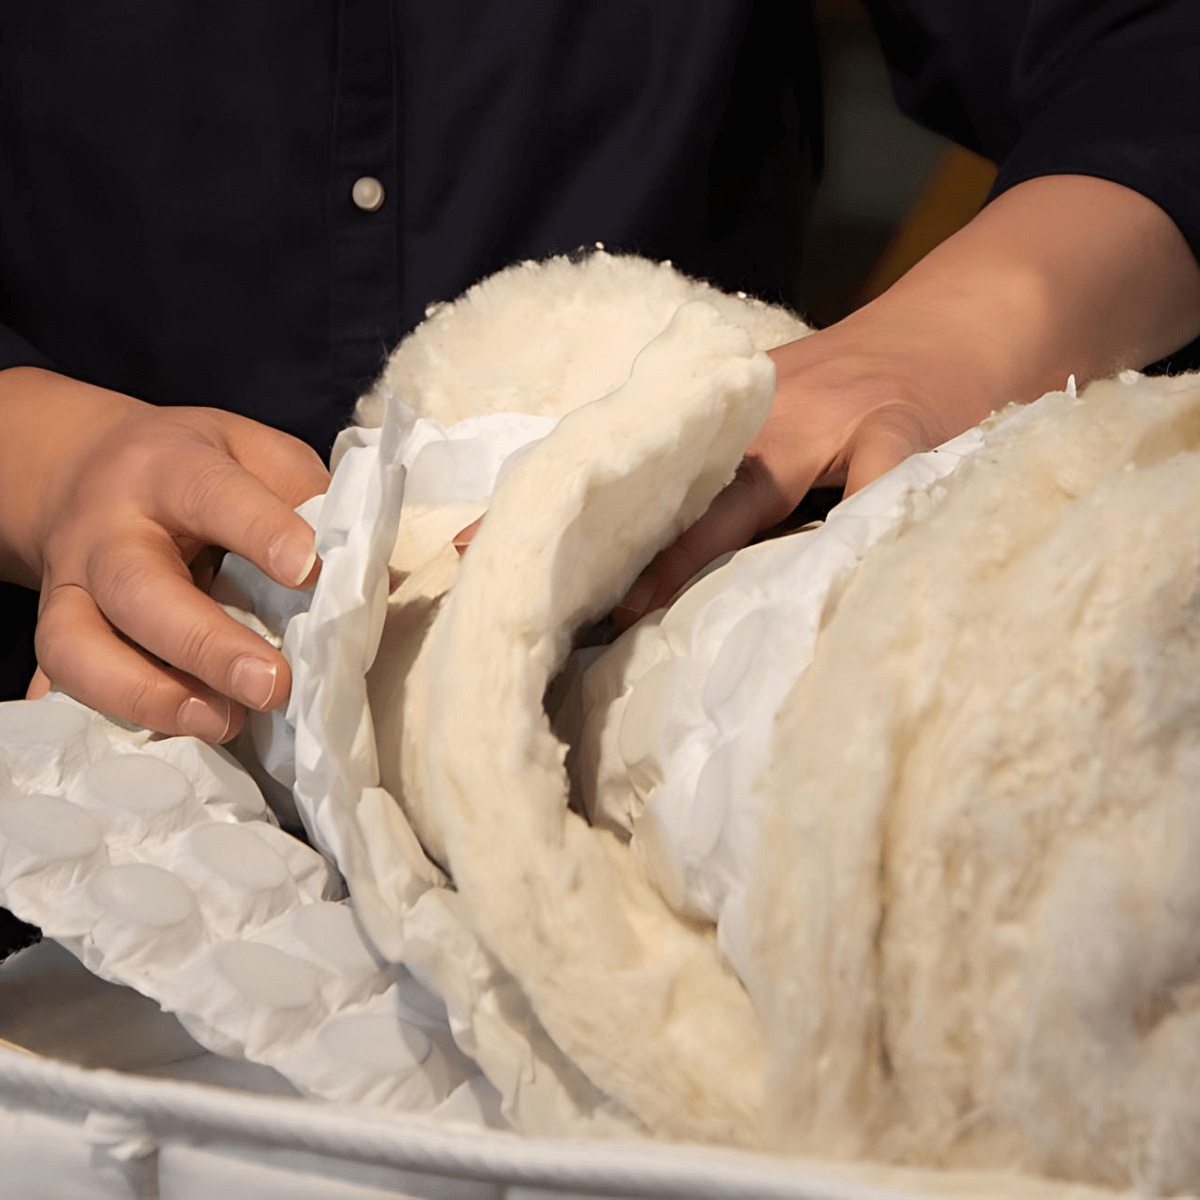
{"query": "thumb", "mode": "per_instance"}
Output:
(752, 502)
(39, 685)
(883, 441)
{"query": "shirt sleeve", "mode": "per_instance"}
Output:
(1109, 88)
(15, 351)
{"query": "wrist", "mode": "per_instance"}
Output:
(985, 337)
(53, 424)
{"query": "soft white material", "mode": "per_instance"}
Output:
(399, 895)
(651, 749)
(676, 718)
(977, 900)
(156, 862)
(547, 337)
(564, 908)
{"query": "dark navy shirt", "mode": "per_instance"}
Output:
(176, 209)
(177, 179)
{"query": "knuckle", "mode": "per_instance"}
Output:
(296, 471)
(678, 563)
(302, 452)
(898, 419)
(202, 490)
(138, 462)
(199, 651)
(74, 531)
(892, 433)
(145, 701)
(120, 579)
(138, 457)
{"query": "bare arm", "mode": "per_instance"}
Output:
(1062, 274)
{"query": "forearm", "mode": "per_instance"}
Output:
(1062, 274)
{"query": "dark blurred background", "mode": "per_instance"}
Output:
(891, 190)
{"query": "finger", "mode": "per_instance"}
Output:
(464, 537)
(210, 497)
(753, 501)
(39, 685)
(79, 650)
(292, 469)
(144, 591)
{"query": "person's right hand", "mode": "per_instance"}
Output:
(106, 503)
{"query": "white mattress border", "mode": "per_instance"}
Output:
(165, 1108)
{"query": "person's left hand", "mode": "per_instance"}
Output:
(851, 402)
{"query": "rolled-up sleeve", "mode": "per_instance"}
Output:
(1109, 88)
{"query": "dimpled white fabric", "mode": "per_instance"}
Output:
(674, 721)
(156, 862)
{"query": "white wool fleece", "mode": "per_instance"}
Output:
(548, 337)
(638, 999)
(979, 887)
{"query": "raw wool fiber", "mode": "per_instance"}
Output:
(586, 322)
(540, 337)
(979, 885)
(548, 337)
(639, 999)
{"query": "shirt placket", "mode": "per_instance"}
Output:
(364, 200)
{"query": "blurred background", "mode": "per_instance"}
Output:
(891, 190)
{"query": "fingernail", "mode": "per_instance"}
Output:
(292, 558)
(207, 720)
(636, 601)
(464, 537)
(253, 682)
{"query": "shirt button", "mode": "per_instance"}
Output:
(367, 193)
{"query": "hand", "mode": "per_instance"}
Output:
(847, 409)
(851, 403)
(109, 503)
(1060, 275)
